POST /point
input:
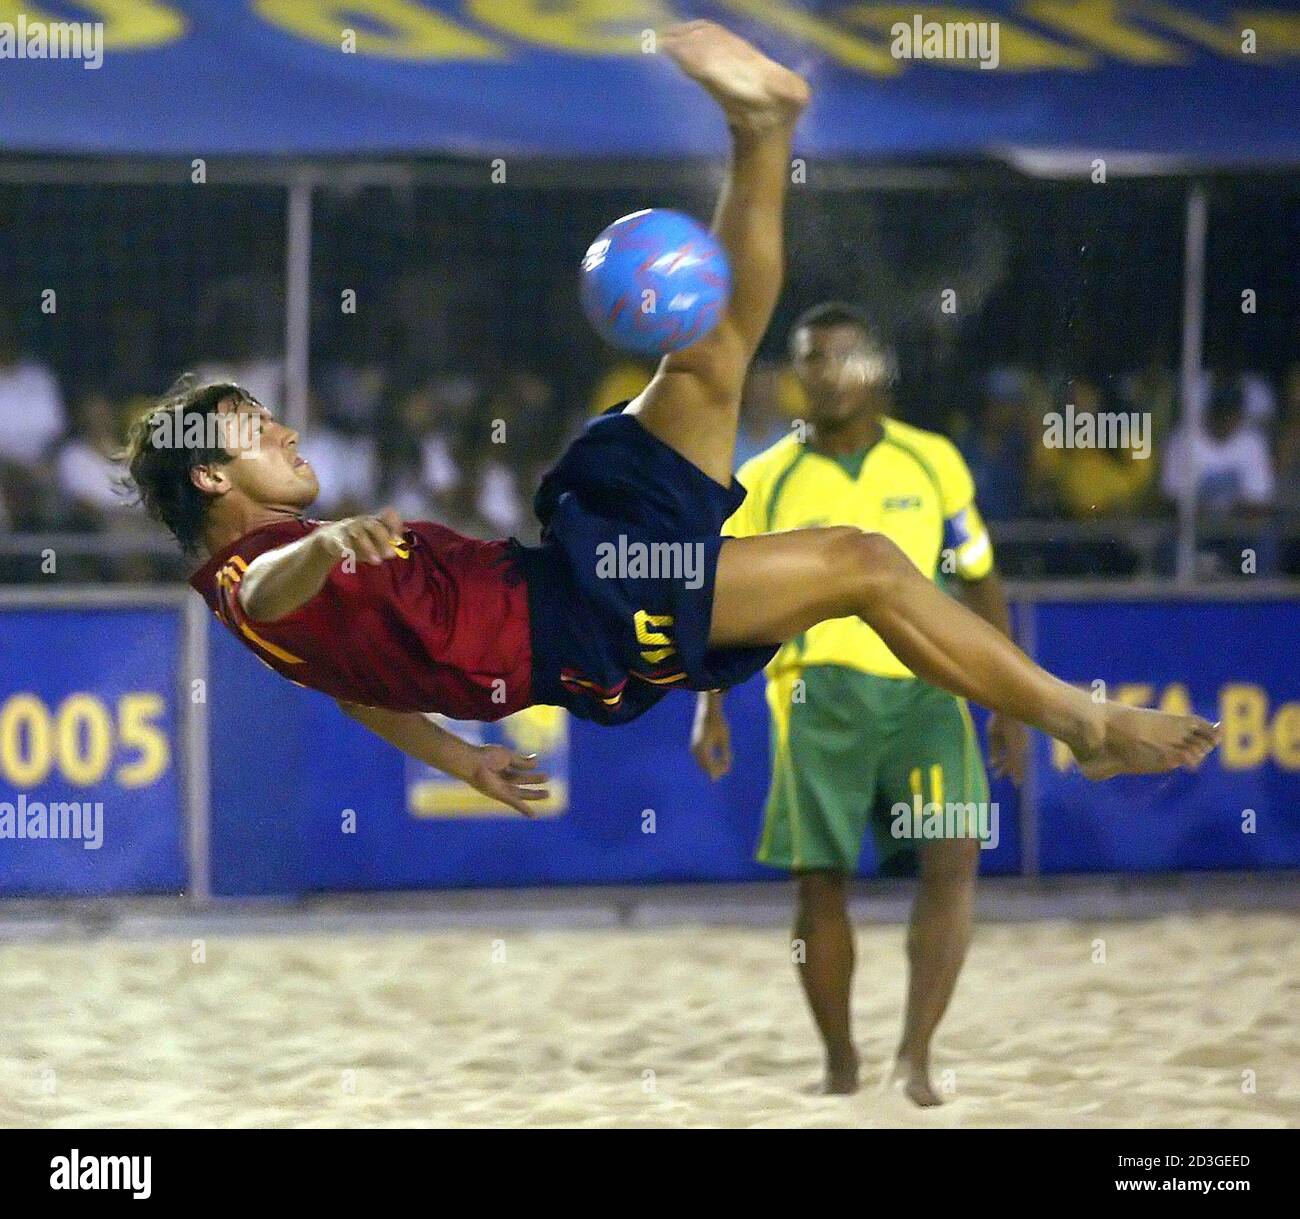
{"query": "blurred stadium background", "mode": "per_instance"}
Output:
(384, 242)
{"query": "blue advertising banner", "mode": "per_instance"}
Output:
(1209, 81)
(90, 802)
(1228, 661)
(305, 799)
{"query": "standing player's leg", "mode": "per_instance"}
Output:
(773, 587)
(693, 401)
(821, 922)
(931, 763)
(938, 934)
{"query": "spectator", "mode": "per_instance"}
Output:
(1086, 478)
(32, 414)
(416, 451)
(241, 321)
(85, 466)
(1153, 390)
(1227, 458)
(623, 379)
(1288, 443)
(995, 449)
(346, 463)
(763, 420)
(1258, 400)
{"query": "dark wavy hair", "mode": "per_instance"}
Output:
(160, 474)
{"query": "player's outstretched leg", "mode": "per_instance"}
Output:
(693, 401)
(772, 587)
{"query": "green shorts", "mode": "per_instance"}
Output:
(847, 747)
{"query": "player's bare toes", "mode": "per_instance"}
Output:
(1140, 741)
(754, 91)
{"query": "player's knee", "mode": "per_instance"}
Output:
(950, 863)
(821, 892)
(867, 566)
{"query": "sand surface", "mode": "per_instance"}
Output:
(1189, 1021)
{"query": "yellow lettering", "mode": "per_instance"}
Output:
(1286, 736)
(1194, 28)
(129, 25)
(1101, 24)
(26, 746)
(1176, 700)
(1134, 694)
(83, 715)
(1279, 32)
(409, 31)
(838, 43)
(593, 27)
(136, 730)
(1243, 709)
(661, 644)
(1018, 49)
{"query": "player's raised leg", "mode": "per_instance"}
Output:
(693, 401)
(772, 587)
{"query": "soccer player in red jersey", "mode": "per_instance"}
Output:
(396, 619)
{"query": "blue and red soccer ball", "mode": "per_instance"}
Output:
(655, 281)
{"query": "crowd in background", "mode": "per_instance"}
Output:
(450, 362)
(468, 448)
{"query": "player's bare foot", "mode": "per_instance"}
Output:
(754, 92)
(1136, 740)
(841, 1075)
(913, 1081)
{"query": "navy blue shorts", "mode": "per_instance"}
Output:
(620, 591)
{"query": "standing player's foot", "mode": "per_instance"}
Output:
(913, 1081)
(1136, 740)
(841, 1075)
(754, 92)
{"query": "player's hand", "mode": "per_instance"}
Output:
(371, 539)
(1008, 747)
(711, 741)
(512, 778)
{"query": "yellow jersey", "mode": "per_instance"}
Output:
(911, 485)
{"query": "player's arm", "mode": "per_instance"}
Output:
(985, 595)
(283, 580)
(493, 770)
(710, 732)
(967, 543)
(711, 735)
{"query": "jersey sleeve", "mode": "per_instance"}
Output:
(964, 531)
(747, 520)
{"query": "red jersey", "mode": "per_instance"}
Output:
(444, 626)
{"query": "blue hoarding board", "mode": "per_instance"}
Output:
(1228, 661)
(1201, 79)
(90, 799)
(306, 800)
